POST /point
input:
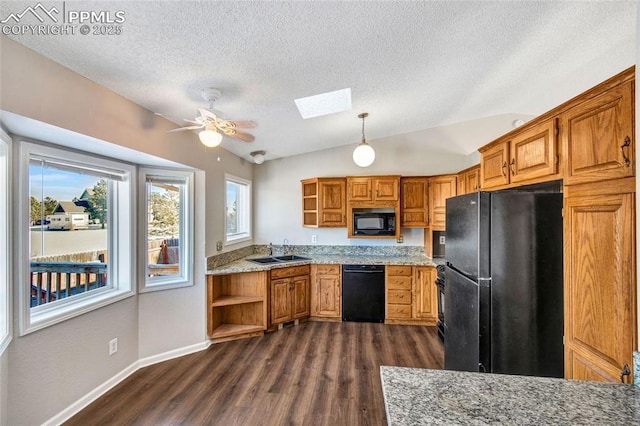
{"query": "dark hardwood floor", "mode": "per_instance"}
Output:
(317, 373)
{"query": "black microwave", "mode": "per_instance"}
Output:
(374, 223)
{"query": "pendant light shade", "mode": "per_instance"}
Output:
(363, 155)
(210, 138)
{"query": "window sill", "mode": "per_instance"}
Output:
(54, 315)
(238, 240)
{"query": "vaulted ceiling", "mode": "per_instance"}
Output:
(466, 69)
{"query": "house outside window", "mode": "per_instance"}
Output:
(76, 253)
(168, 228)
(237, 209)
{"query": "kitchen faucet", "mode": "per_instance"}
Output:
(285, 247)
(270, 247)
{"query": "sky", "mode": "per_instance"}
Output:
(58, 184)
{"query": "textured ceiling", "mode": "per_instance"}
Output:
(414, 66)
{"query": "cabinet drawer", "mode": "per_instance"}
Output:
(398, 311)
(328, 269)
(399, 283)
(400, 297)
(293, 271)
(399, 270)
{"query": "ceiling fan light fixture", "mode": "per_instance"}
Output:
(210, 138)
(258, 156)
(364, 155)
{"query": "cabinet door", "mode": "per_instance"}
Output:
(300, 297)
(328, 294)
(462, 184)
(360, 189)
(414, 202)
(600, 138)
(280, 300)
(425, 293)
(333, 206)
(494, 163)
(387, 189)
(599, 287)
(533, 152)
(440, 189)
(471, 181)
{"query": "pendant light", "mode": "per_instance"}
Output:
(363, 155)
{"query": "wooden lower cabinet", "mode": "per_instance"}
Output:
(289, 294)
(410, 295)
(600, 280)
(236, 305)
(326, 291)
(425, 304)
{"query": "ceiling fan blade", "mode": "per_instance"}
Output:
(179, 129)
(242, 136)
(243, 124)
(207, 113)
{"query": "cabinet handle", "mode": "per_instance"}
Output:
(625, 372)
(511, 166)
(504, 167)
(626, 144)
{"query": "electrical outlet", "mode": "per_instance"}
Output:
(113, 346)
(314, 239)
(400, 239)
(219, 245)
(442, 239)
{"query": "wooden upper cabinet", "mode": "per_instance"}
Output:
(600, 281)
(440, 188)
(599, 137)
(360, 188)
(324, 202)
(528, 155)
(469, 180)
(494, 164)
(373, 189)
(533, 152)
(414, 202)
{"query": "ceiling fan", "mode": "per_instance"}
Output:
(214, 127)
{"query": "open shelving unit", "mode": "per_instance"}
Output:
(236, 304)
(310, 202)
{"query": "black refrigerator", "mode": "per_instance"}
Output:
(503, 293)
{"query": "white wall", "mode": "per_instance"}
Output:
(44, 372)
(278, 198)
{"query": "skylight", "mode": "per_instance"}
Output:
(324, 103)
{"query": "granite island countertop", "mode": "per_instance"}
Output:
(244, 265)
(415, 396)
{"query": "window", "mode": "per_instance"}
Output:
(5, 258)
(77, 216)
(168, 229)
(238, 209)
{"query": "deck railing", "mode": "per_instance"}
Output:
(56, 280)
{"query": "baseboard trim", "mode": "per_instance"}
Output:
(166, 356)
(83, 402)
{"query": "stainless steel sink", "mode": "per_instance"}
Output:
(277, 259)
(264, 260)
(290, 258)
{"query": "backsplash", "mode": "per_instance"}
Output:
(262, 249)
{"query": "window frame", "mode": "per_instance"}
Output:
(245, 236)
(187, 216)
(121, 231)
(6, 329)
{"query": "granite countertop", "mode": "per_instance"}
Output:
(243, 265)
(415, 396)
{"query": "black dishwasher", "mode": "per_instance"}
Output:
(363, 293)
